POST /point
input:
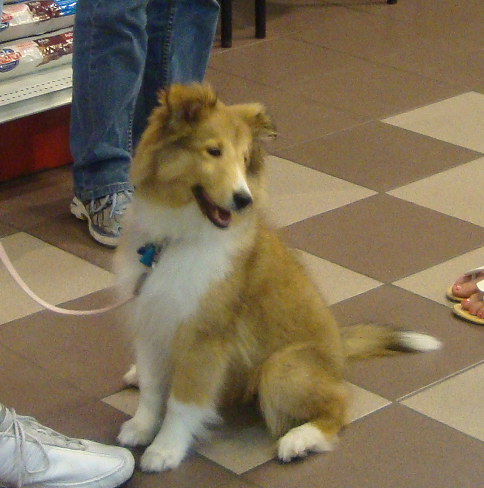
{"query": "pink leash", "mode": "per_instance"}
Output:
(13, 272)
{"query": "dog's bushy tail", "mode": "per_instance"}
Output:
(367, 340)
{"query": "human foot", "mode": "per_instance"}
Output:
(471, 309)
(467, 285)
(474, 305)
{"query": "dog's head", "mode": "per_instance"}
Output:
(195, 148)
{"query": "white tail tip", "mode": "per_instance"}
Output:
(419, 342)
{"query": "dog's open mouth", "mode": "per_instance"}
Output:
(220, 217)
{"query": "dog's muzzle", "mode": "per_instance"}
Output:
(241, 199)
(220, 216)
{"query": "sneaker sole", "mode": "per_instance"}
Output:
(79, 211)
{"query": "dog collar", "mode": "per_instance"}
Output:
(150, 255)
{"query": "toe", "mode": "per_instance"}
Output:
(474, 305)
(466, 285)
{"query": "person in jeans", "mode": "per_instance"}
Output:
(32, 454)
(124, 52)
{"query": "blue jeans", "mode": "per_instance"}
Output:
(124, 51)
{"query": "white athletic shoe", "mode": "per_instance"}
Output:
(31, 454)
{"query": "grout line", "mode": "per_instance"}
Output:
(439, 381)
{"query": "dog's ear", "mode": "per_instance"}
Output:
(255, 115)
(186, 104)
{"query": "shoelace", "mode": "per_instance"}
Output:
(21, 429)
(119, 208)
(115, 201)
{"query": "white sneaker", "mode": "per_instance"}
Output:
(31, 454)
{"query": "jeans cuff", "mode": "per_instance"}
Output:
(99, 192)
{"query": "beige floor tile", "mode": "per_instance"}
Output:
(457, 402)
(126, 400)
(434, 282)
(364, 403)
(336, 283)
(458, 120)
(55, 275)
(238, 448)
(243, 447)
(456, 192)
(297, 192)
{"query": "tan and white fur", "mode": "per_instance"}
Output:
(228, 313)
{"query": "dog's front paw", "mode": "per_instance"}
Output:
(161, 459)
(135, 433)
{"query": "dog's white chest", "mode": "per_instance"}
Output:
(196, 257)
(184, 274)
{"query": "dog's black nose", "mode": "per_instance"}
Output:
(242, 199)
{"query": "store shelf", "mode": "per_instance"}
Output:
(35, 93)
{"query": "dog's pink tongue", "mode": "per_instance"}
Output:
(222, 216)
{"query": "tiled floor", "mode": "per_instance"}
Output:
(376, 178)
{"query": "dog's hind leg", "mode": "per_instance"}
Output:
(303, 399)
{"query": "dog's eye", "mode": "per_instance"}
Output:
(214, 151)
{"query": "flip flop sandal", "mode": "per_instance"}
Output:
(464, 314)
(472, 275)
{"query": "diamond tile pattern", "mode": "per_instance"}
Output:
(375, 180)
(458, 120)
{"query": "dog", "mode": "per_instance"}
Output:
(224, 312)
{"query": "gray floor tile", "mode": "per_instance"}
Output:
(6, 229)
(31, 389)
(35, 199)
(297, 118)
(384, 237)
(90, 353)
(378, 156)
(415, 451)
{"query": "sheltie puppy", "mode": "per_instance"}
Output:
(224, 312)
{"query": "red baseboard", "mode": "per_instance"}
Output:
(34, 143)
